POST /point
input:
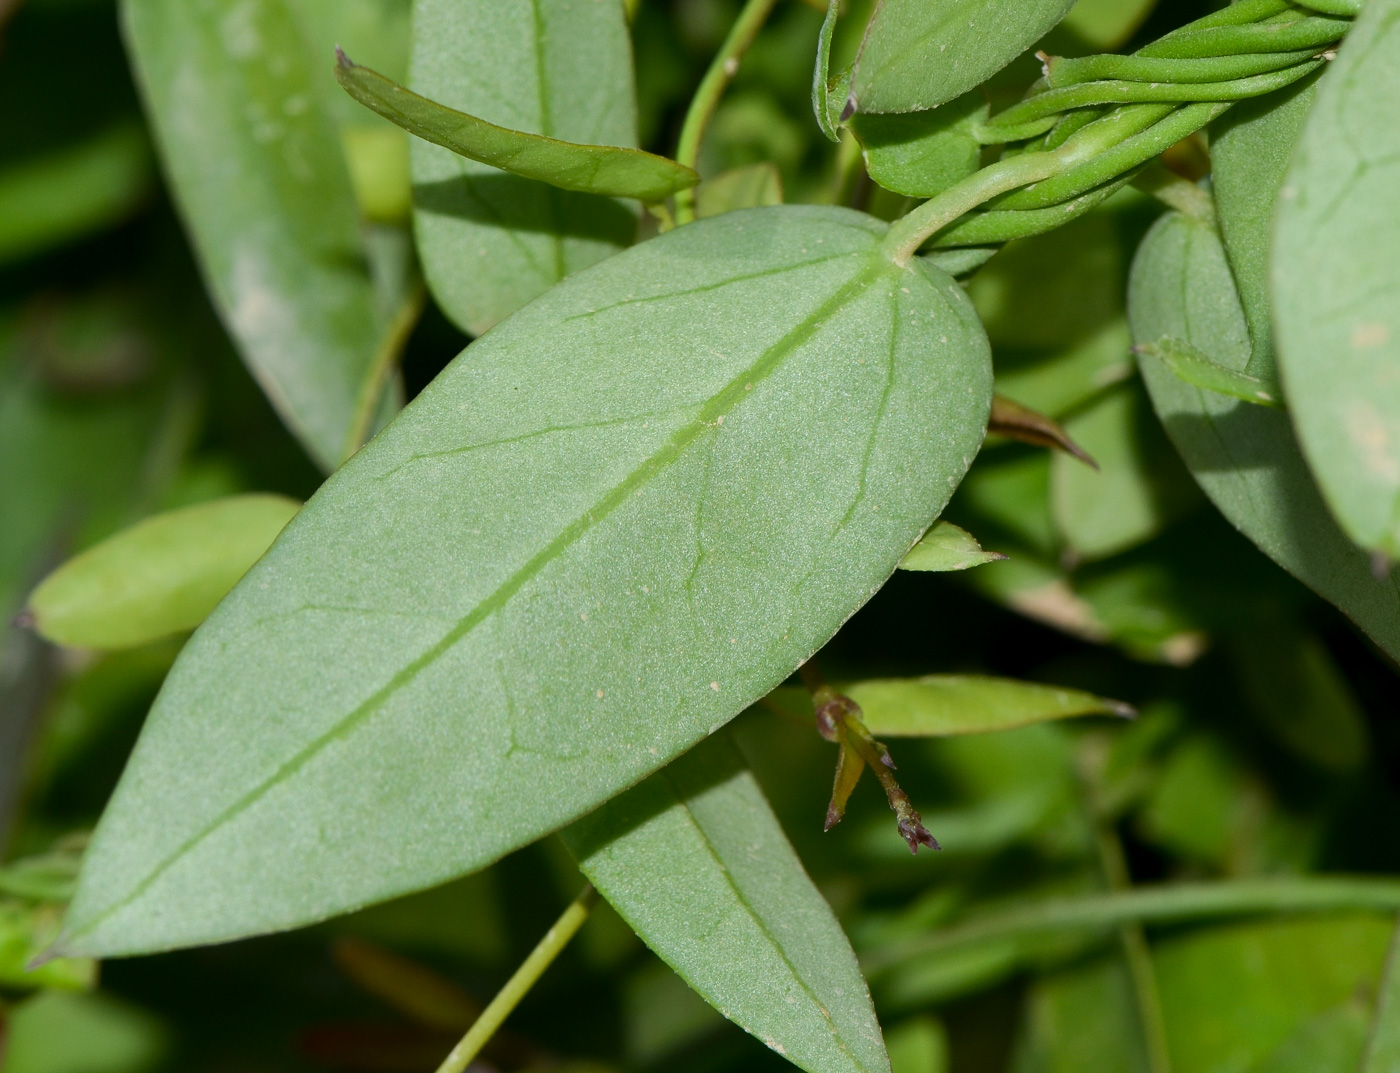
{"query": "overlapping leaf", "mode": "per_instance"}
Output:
(608, 527)
(695, 861)
(1244, 456)
(491, 241)
(1336, 272)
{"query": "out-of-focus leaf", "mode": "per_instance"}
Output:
(918, 1045)
(379, 172)
(920, 53)
(661, 1014)
(25, 930)
(1010, 418)
(1250, 146)
(1243, 456)
(1336, 283)
(601, 567)
(1064, 380)
(258, 171)
(56, 1032)
(1192, 366)
(71, 192)
(1231, 996)
(695, 861)
(1081, 1020)
(610, 170)
(1106, 25)
(923, 153)
(1010, 489)
(946, 547)
(1202, 805)
(1137, 488)
(160, 577)
(940, 704)
(491, 241)
(416, 991)
(460, 919)
(1331, 1042)
(750, 187)
(1383, 1046)
(1303, 696)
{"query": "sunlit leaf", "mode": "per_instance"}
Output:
(160, 577)
(694, 860)
(258, 171)
(920, 53)
(575, 554)
(946, 547)
(491, 241)
(1243, 456)
(941, 704)
(1336, 273)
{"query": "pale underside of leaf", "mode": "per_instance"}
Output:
(695, 861)
(608, 527)
(1336, 283)
(1244, 456)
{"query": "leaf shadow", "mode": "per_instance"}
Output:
(513, 203)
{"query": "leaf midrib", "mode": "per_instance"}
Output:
(720, 404)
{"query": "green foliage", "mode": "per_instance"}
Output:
(667, 482)
(1335, 274)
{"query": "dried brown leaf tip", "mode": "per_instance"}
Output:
(839, 721)
(1010, 418)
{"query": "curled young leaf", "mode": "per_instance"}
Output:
(576, 553)
(611, 170)
(160, 577)
(695, 861)
(1010, 418)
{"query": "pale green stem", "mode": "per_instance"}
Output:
(1180, 902)
(712, 86)
(531, 969)
(381, 368)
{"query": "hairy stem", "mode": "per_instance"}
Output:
(531, 969)
(712, 86)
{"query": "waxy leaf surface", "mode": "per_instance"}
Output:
(696, 862)
(258, 172)
(606, 528)
(160, 577)
(920, 53)
(1243, 456)
(1336, 273)
(491, 241)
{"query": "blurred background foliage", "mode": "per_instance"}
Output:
(1268, 742)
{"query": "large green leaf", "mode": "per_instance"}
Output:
(695, 861)
(491, 241)
(580, 550)
(1336, 272)
(160, 577)
(1250, 147)
(920, 53)
(259, 174)
(1244, 456)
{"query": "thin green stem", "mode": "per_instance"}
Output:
(518, 985)
(1062, 72)
(712, 86)
(1311, 31)
(386, 359)
(1180, 902)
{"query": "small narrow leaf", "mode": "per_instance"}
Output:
(937, 705)
(1193, 367)
(1244, 457)
(753, 186)
(614, 171)
(575, 554)
(695, 861)
(1336, 276)
(160, 577)
(823, 106)
(947, 547)
(923, 153)
(490, 241)
(921, 53)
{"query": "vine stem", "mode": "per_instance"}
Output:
(712, 87)
(531, 969)
(386, 359)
